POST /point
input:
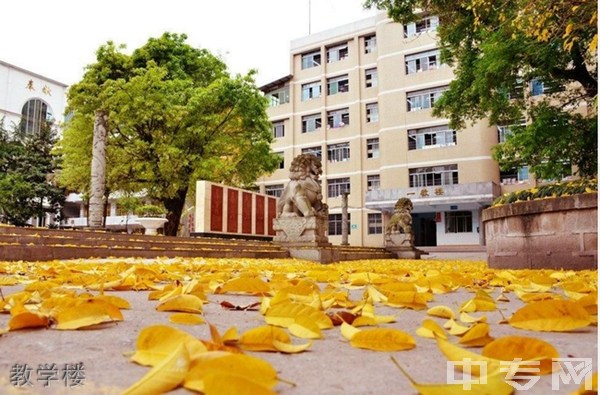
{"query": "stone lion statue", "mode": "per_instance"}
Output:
(401, 221)
(302, 195)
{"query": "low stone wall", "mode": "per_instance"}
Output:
(557, 233)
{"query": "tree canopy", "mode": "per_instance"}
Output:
(499, 50)
(27, 170)
(175, 116)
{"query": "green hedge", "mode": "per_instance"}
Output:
(584, 185)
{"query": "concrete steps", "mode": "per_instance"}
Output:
(40, 244)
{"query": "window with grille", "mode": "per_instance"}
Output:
(431, 176)
(373, 182)
(335, 224)
(338, 152)
(338, 84)
(311, 90)
(427, 24)
(337, 53)
(338, 118)
(278, 97)
(373, 148)
(311, 59)
(34, 114)
(436, 136)
(278, 129)
(423, 99)
(370, 44)
(429, 60)
(316, 151)
(274, 190)
(375, 223)
(371, 78)
(372, 112)
(459, 222)
(311, 123)
(337, 186)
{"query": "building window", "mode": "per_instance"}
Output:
(514, 175)
(426, 24)
(311, 90)
(375, 223)
(311, 123)
(437, 136)
(373, 148)
(429, 60)
(426, 98)
(431, 176)
(337, 53)
(337, 186)
(338, 152)
(371, 78)
(539, 87)
(278, 97)
(505, 130)
(278, 129)
(459, 222)
(282, 161)
(34, 114)
(274, 190)
(370, 44)
(311, 59)
(337, 84)
(372, 112)
(338, 118)
(316, 151)
(335, 224)
(373, 182)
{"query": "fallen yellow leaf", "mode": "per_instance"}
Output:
(509, 348)
(383, 339)
(551, 315)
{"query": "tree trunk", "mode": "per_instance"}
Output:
(174, 208)
(98, 174)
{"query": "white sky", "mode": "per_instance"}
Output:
(59, 38)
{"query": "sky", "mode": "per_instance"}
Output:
(58, 38)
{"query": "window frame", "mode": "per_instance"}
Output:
(418, 138)
(274, 190)
(307, 59)
(374, 223)
(337, 53)
(334, 227)
(339, 84)
(338, 152)
(373, 182)
(370, 43)
(310, 91)
(458, 221)
(316, 151)
(337, 186)
(422, 61)
(372, 112)
(279, 129)
(373, 148)
(317, 120)
(371, 77)
(423, 99)
(422, 177)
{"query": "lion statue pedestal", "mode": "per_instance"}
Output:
(399, 237)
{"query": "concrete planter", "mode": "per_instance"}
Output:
(152, 224)
(557, 233)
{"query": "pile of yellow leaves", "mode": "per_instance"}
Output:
(297, 301)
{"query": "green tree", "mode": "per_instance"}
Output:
(175, 116)
(27, 170)
(497, 49)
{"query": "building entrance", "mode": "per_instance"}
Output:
(424, 228)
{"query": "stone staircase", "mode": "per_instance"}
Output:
(41, 244)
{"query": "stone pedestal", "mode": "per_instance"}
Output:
(401, 244)
(301, 231)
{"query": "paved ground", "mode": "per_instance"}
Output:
(331, 366)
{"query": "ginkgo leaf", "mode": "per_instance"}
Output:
(411, 299)
(431, 329)
(186, 319)
(27, 319)
(223, 383)
(469, 319)
(502, 298)
(306, 328)
(155, 343)
(364, 321)
(551, 315)
(383, 339)
(455, 353)
(477, 336)
(495, 384)
(456, 329)
(114, 300)
(589, 302)
(509, 348)
(245, 285)
(261, 338)
(441, 311)
(251, 368)
(529, 297)
(348, 331)
(286, 314)
(481, 302)
(183, 303)
(87, 313)
(230, 335)
(165, 376)
(289, 348)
